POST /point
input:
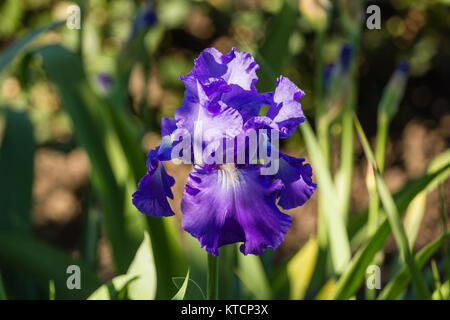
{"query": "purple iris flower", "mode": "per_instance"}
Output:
(231, 200)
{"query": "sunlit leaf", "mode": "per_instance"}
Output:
(399, 283)
(110, 291)
(327, 290)
(301, 267)
(337, 234)
(143, 268)
(393, 217)
(252, 274)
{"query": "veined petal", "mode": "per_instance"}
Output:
(242, 70)
(227, 205)
(213, 119)
(152, 193)
(235, 67)
(248, 103)
(296, 177)
(286, 111)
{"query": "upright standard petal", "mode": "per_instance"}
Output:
(297, 181)
(227, 204)
(248, 103)
(241, 70)
(206, 117)
(285, 110)
(235, 67)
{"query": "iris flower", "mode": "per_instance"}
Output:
(229, 201)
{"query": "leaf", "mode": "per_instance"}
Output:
(413, 217)
(43, 263)
(182, 291)
(110, 291)
(399, 283)
(110, 170)
(437, 171)
(143, 267)
(51, 290)
(117, 161)
(16, 172)
(327, 290)
(16, 48)
(193, 289)
(252, 274)
(354, 274)
(337, 234)
(300, 268)
(443, 291)
(274, 51)
(393, 217)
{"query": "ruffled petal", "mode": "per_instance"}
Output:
(242, 70)
(227, 205)
(235, 67)
(204, 114)
(168, 126)
(260, 122)
(248, 103)
(297, 180)
(286, 111)
(153, 190)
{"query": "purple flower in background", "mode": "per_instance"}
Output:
(144, 20)
(232, 193)
(105, 80)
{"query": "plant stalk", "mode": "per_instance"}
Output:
(213, 278)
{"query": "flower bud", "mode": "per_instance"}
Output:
(394, 90)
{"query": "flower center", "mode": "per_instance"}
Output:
(229, 174)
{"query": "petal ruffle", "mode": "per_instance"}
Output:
(248, 103)
(296, 178)
(227, 205)
(168, 125)
(235, 67)
(285, 110)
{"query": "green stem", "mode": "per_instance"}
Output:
(318, 73)
(380, 155)
(382, 133)
(323, 137)
(213, 277)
